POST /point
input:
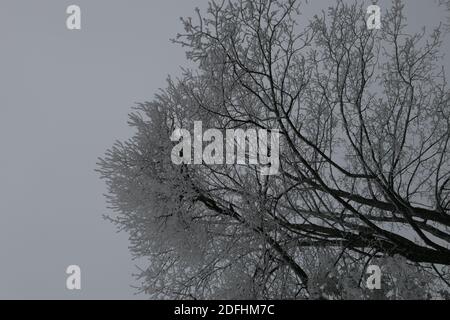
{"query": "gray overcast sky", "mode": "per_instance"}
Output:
(64, 99)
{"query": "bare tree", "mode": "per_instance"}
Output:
(364, 117)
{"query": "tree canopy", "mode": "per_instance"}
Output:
(364, 122)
